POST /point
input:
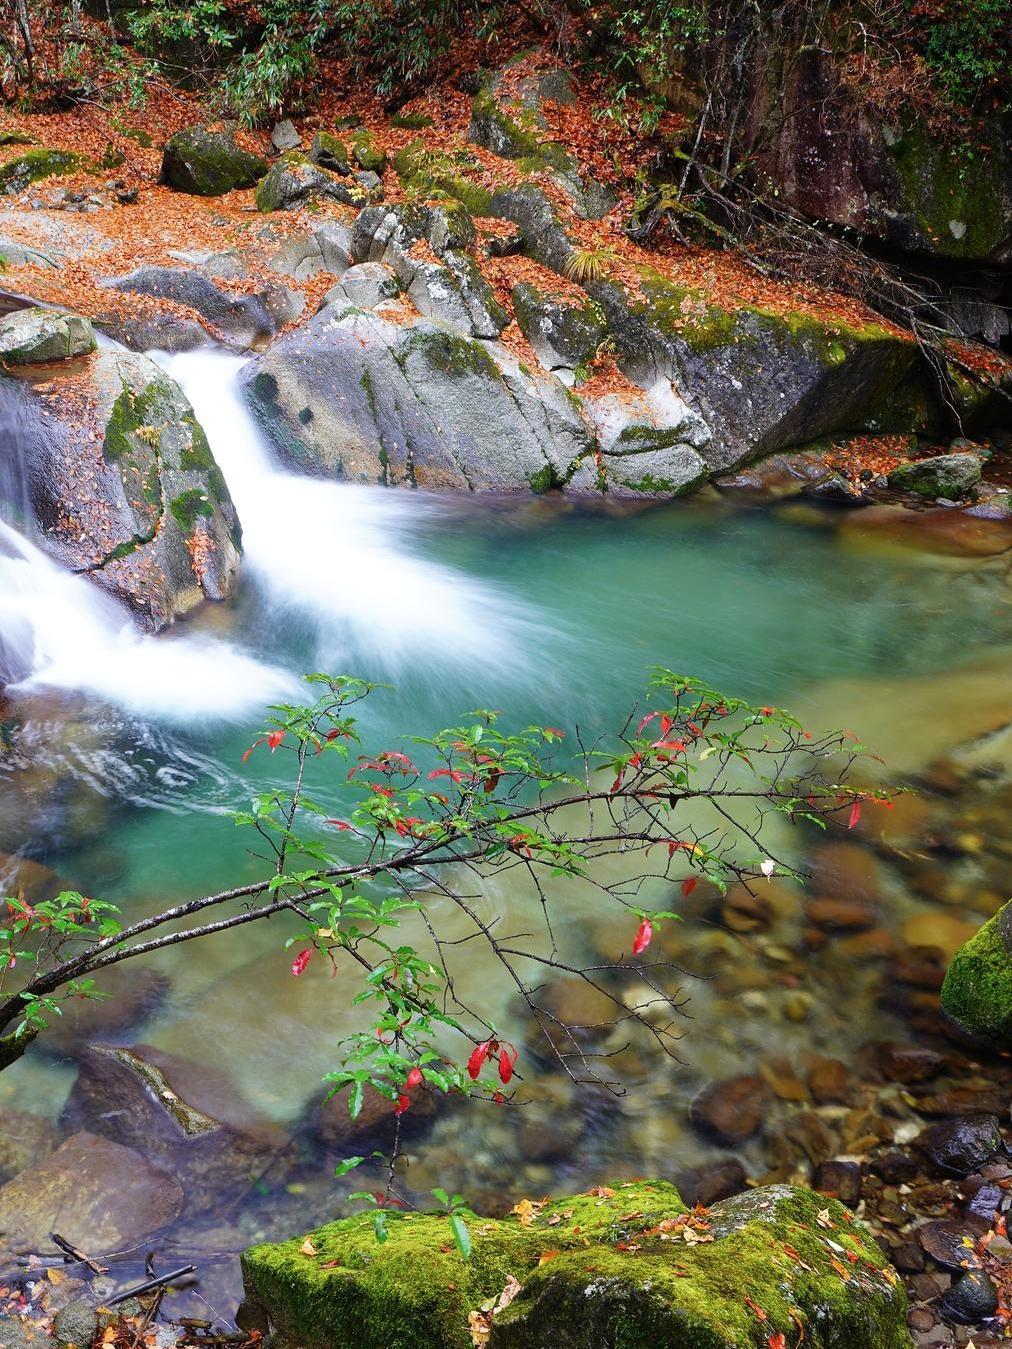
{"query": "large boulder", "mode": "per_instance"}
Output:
(36, 336)
(95, 1193)
(209, 163)
(240, 320)
(943, 475)
(125, 487)
(186, 1118)
(977, 992)
(34, 165)
(407, 401)
(626, 1266)
(295, 179)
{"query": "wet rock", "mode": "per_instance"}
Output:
(949, 1244)
(845, 871)
(960, 1146)
(744, 912)
(419, 405)
(126, 489)
(810, 1133)
(841, 1180)
(712, 1181)
(731, 1111)
(18, 1334)
(840, 915)
(970, 1300)
(921, 1318)
(25, 1139)
(894, 1165)
(37, 336)
(945, 475)
(208, 163)
(285, 137)
(76, 1324)
(188, 1119)
(330, 1126)
(977, 992)
(941, 930)
(829, 1082)
(330, 152)
(96, 1193)
(908, 1063)
(28, 879)
(908, 1258)
(986, 1202)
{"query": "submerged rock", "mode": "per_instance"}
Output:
(618, 1271)
(95, 1193)
(209, 163)
(126, 489)
(977, 992)
(186, 1118)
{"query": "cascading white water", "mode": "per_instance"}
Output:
(336, 555)
(340, 553)
(59, 630)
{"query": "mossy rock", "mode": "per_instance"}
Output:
(367, 154)
(34, 165)
(953, 476)
(209, 163)
(294, 180)
(977, 992)
(411, 121)
(330, 152)
(619, 1272)
(37, 336)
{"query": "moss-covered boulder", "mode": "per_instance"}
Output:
(34, 165)
(977, 992)
(35, 336)
(953, 476)
(295, 179)
(209, 163)
(627, 1267)
(330, 152)
(125, 487)
(366, 153)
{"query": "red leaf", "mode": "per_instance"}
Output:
(689, 884)
(644, 935)
(477, 1060)
(403, 1103)
(855, 814)
(301, 961)
(505, 1067)
(274, 739)
(414, 1079)
(338, 824)
(777, 1341)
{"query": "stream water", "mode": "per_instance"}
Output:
(126, 757)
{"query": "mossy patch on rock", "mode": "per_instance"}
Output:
(34, 165)
(619, 1271)
(977, 992)
(208, 163)
(953, 476)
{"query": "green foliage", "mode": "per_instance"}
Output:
(967, 47)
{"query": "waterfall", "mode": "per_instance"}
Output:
(333, 559)
(346, 556)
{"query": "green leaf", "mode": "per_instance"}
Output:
(379, 1222)
(461, 1235)
(347, 1165)
(356, 1098)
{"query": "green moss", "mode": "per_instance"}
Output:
(329, 151)
(208, 163)
(977, 992)
(434, 174)
(367, 153)
(946, 185)
(454, 355)
(188, 507)
(35, 165)
(542, 481)
(616, 1277)
(411, 121)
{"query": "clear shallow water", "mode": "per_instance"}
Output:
(537, 607)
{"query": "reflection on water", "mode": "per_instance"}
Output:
(124, 752)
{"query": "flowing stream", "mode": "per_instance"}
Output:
(129, 748)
